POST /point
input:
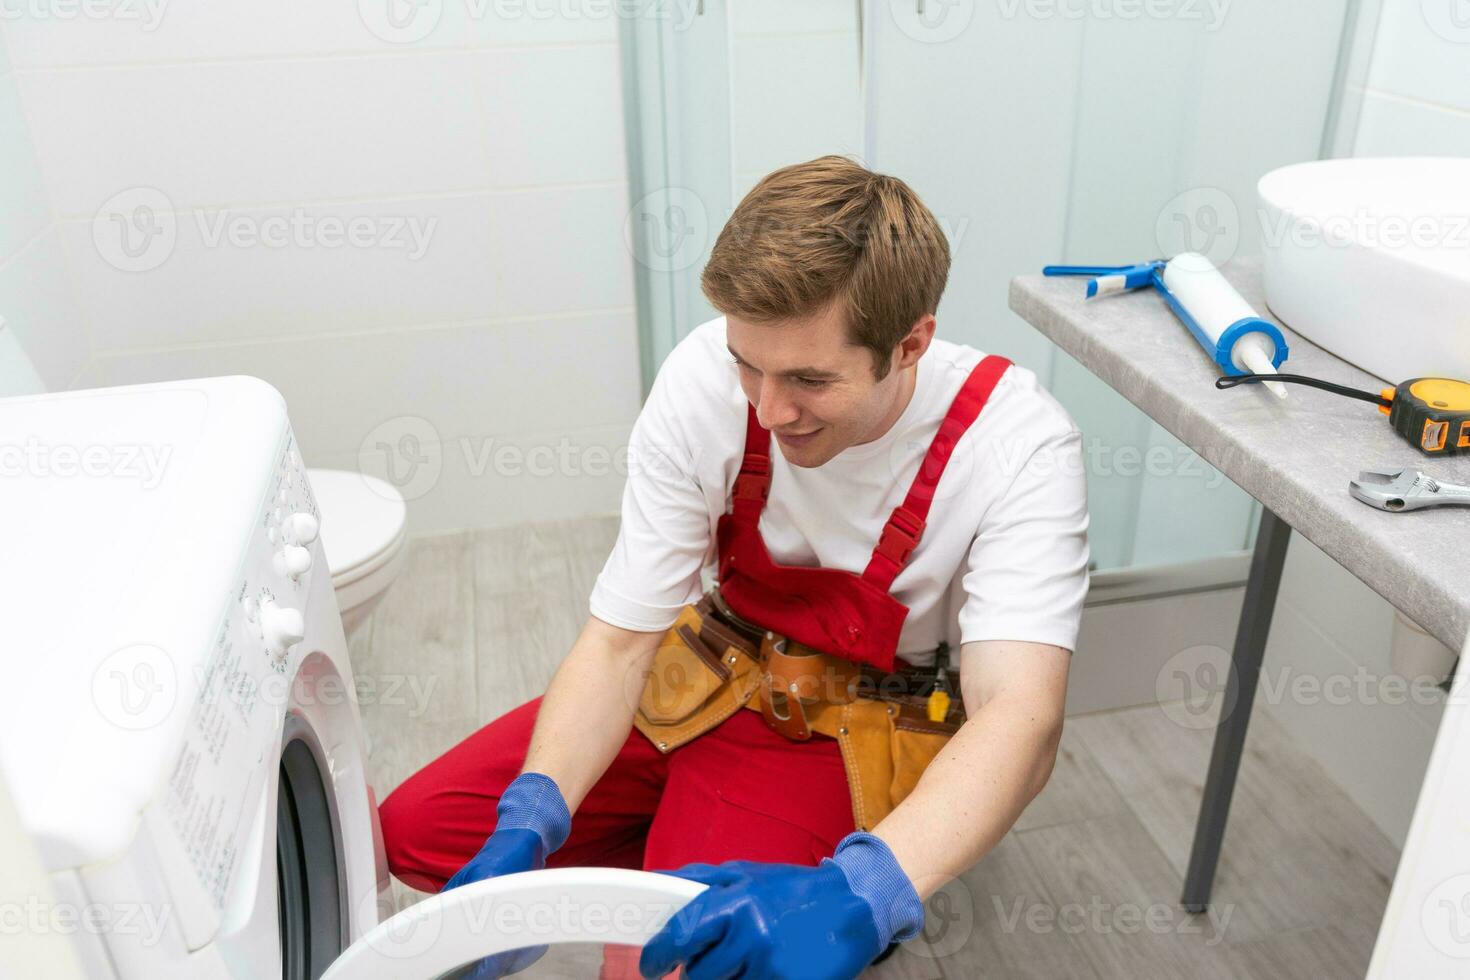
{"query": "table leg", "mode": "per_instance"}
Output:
(1250, 646)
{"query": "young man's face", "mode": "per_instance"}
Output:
(814, 389)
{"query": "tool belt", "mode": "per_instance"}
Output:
(711, 663)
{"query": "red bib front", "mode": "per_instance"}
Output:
(830, 609)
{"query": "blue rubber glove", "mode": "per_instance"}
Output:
(788, 920)
(532, 821)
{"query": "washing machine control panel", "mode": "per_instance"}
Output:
(273, 593)
(246, 689)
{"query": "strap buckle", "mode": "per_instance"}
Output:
(900, 535)
(754, 480)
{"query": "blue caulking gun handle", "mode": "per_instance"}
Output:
(1109, 278)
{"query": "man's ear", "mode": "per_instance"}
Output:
(916, 341)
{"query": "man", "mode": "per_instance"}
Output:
(817, 419)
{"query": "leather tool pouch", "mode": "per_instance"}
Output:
(888, 740)
(706, 668)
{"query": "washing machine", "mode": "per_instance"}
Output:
(178, 726)
(179, 732)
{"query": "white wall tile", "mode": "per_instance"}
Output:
(795, 98)
(552, 115)
(150, 31)
(1422, 52)
(17, 375)
(38, 305)
(1390, 126)
(467, 380)
(245, 133)
(500, 254)
(153, 31)
(23, 210)
(4, 51)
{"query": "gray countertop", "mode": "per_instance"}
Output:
(1294, 456)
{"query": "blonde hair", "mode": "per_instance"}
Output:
(825, 231)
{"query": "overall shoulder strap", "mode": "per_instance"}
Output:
(906, 524)
(753, 483)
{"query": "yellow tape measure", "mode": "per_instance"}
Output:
(1432, 413)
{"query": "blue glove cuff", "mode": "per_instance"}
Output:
(533, 801)
(874, 875)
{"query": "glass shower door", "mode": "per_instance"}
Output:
(1038, 132)
(1100, 133)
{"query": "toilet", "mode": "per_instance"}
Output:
(362, 532)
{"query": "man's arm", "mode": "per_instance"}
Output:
(587, 711)
(997, 762)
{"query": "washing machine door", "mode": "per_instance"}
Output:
(458, 928)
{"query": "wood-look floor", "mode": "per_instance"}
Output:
(1085, 886)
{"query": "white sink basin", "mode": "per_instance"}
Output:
(1370, 259)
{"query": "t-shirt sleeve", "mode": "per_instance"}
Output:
(654, 568)
(1026, 576)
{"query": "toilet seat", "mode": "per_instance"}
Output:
(363, 522)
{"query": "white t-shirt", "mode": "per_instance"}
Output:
(1006, 538)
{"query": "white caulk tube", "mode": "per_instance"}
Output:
(1236, 336)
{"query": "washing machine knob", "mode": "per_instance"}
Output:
(293, 561)
(301, 528)
(281, 627)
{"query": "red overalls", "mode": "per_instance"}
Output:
(784, 801)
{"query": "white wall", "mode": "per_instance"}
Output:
(43, 344)
(233, 147)
(1328, 624)
(1417, 97)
